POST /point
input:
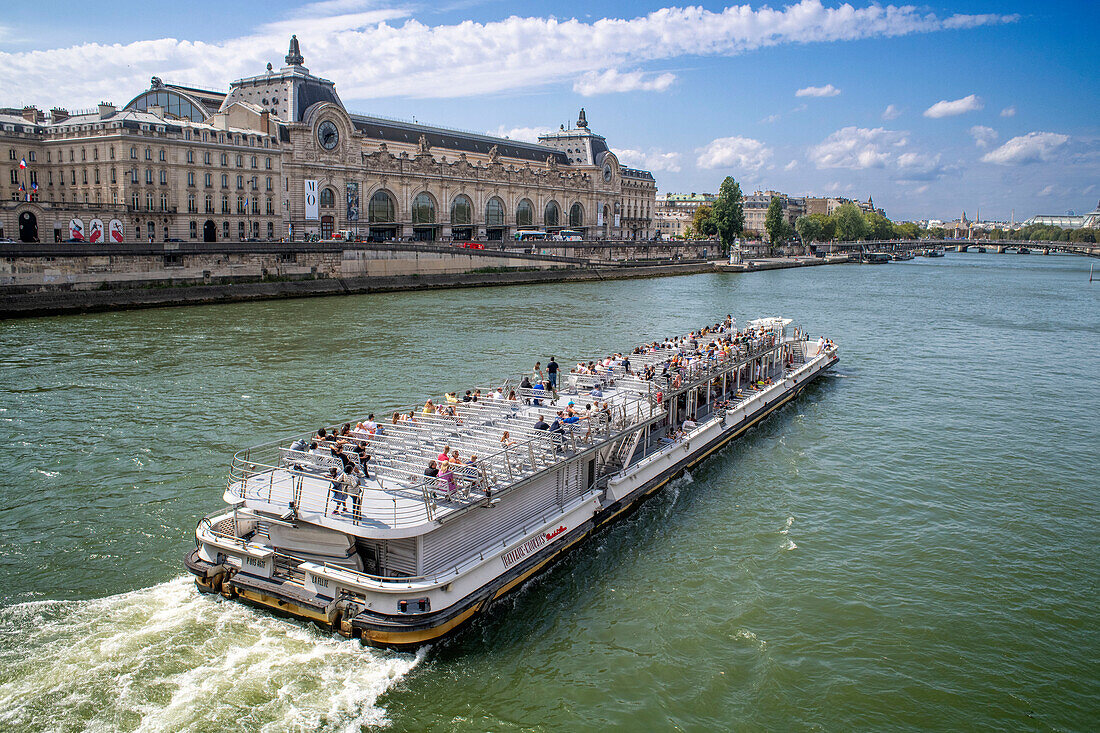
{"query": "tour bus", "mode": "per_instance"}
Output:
(531, 235)
(570, 235)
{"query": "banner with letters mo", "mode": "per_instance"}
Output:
(312, 213)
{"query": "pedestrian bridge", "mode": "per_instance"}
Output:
(1000, 246)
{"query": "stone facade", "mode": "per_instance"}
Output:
(197, 165)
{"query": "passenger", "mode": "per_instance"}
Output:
(466, 397)
(316, 449)
(431, 471)
(370, 424)
(477, 395)
(396, 418)
(354, 481)
(337, 488)
(446, 474)
(537, 372)
(552, 374)
(506, 439)
(512, 396)
(429, 408)
(541, 424)
(445, 454)
(596, 391)
(299, 445)
(451, 397)
(689, 424)
(322, 435)
(346, 429)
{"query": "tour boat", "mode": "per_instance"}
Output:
(399, 558)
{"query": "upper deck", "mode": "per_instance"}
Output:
(495, 437)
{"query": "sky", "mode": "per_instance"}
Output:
(982, 107)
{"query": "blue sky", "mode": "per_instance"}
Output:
(931, 109)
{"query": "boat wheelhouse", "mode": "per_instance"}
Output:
(355, 534)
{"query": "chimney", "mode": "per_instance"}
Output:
(59, 114)
(265, 122)
(156, 110)
(106, 109)
(31, 114)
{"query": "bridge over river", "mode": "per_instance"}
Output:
(1000, 246)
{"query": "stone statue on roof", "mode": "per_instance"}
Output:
(494, 154)
(423, 147)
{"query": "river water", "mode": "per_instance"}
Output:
(910, 545)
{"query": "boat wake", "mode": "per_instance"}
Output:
(166, 658)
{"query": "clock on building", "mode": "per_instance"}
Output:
(328, 134)
(607, 172)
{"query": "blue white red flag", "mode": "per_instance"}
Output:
(22, 162)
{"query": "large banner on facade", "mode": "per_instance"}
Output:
(618, 220)
(311, 201)
(353, 201)
(115, 228)
(599, 214)
(76, 229)
(95, 231)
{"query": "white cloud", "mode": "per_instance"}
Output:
(919, 167)
(1008, 111)
(791, 166)
(742, 153)
(891, 112)
(771, 118)
(602, 82)
(858, 147)
(1030, 148)
(826, 91)
(654, 160)
(368, 57)
(983, 136)
(945, 108)
(523, 134)
(861, 148)
(1048, 190)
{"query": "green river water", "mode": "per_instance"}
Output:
(911, 545)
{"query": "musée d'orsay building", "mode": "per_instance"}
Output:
(279, 156)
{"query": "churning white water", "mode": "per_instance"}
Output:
(167, 658)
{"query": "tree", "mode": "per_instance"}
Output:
(729, 216)
(809, 229)
(850, 224)
(774, 221)
(908, 230)
(827, 224)
(880, 227)
(702, 222)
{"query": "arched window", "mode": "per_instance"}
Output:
(525, 214)
(576, 215)
(462, 211)
(381, 208)
(494, 213)
(328, 198)
(423, 211)
(553, 214)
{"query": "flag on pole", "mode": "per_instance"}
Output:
(22, 163)
(21, 188)
(34, 186)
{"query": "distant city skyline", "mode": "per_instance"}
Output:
(932, 110)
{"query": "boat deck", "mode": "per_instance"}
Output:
(398, 497)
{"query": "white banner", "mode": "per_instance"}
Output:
(76, 229)
(95, 231)
(618, 220)
(116, 230)
(599, 214)
(311, 201)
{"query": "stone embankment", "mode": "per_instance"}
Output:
(56, 279)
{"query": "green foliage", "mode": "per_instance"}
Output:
(729, 215)
(879, 226)
(851, 226)
(908, 230)
(774, 221)
(808, 228)
(702, 222)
